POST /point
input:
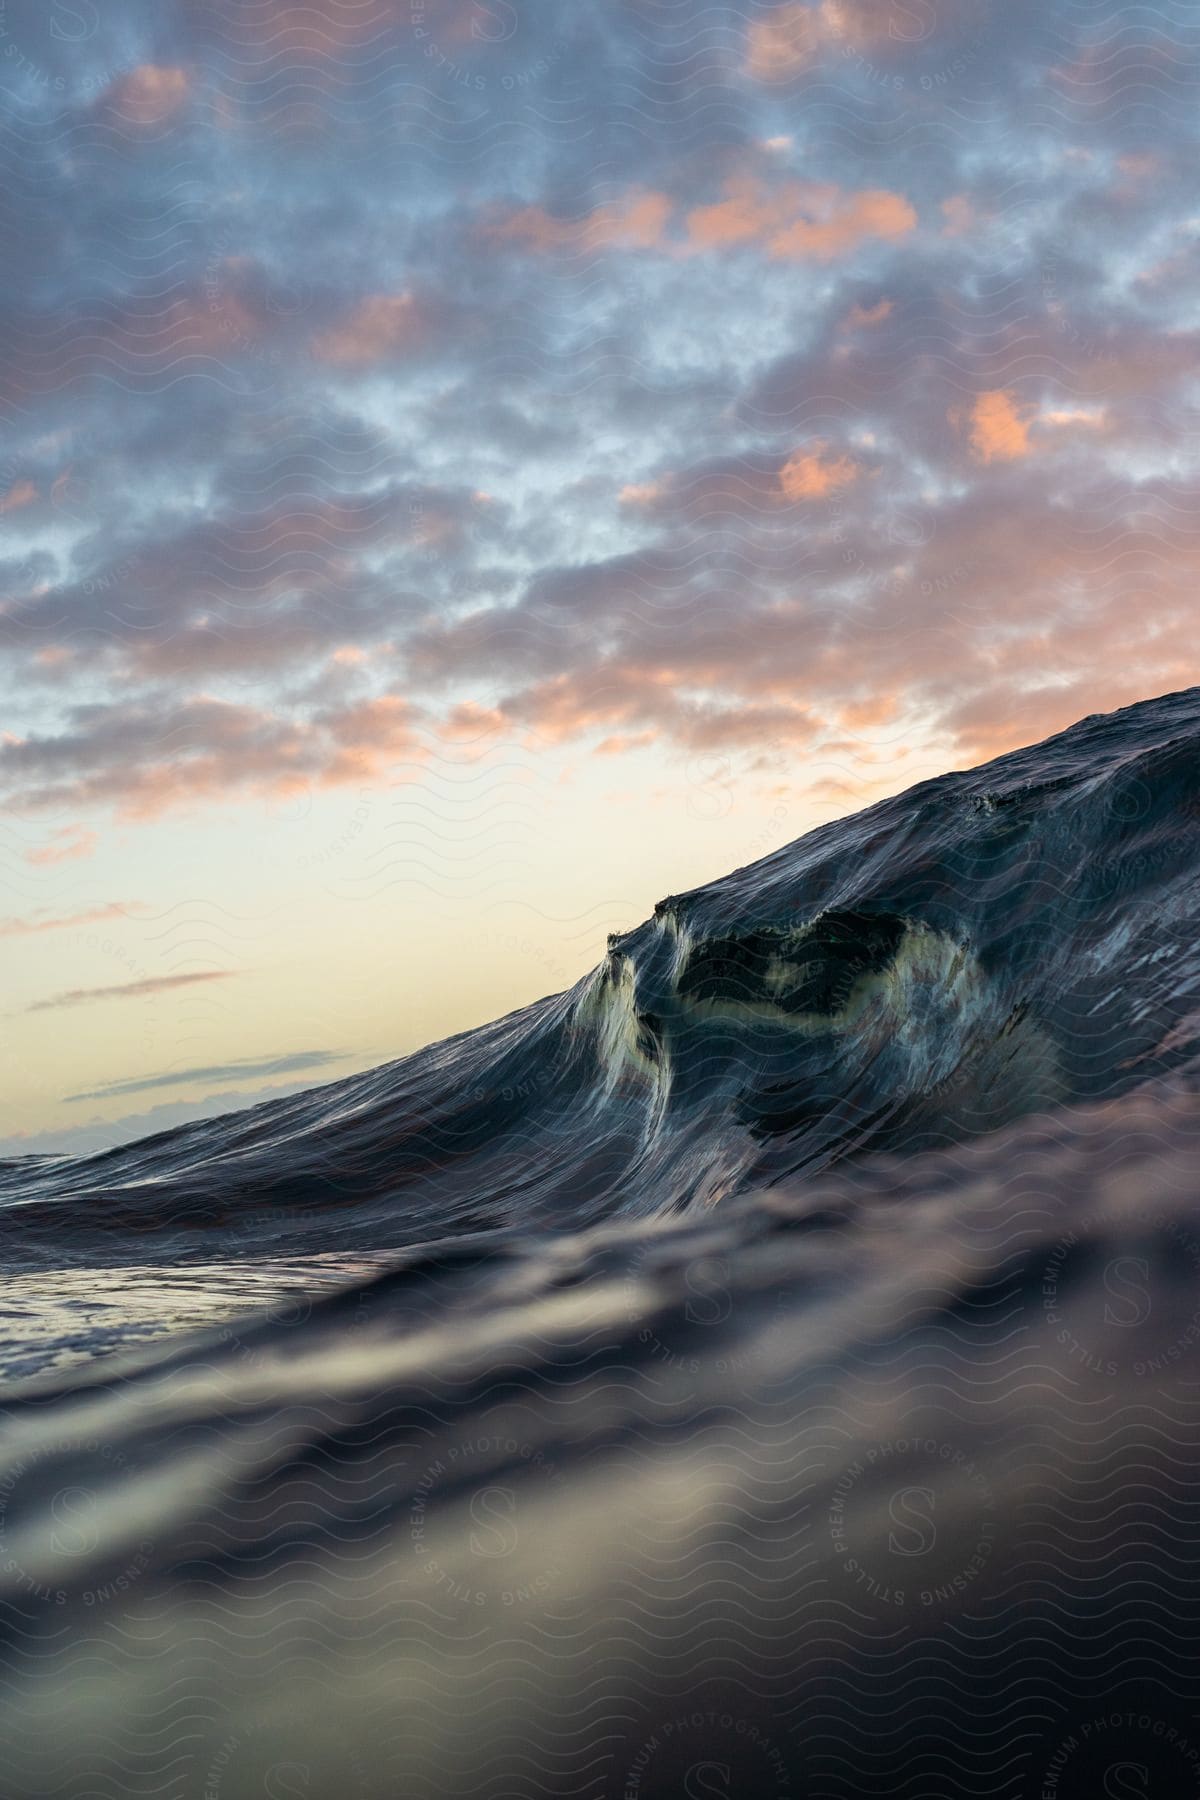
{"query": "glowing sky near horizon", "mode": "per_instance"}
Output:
(471, 469)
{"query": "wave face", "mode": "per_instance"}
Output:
(987, 945)
(771, 1367)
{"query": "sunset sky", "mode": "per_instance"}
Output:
(469, 470)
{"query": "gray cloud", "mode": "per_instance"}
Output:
(297, 1062)
(259, 388)
(128, 990)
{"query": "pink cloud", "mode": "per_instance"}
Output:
(959, 214)
(129, 990)
(20, 494)
(1086, 418)
(811, 475)
(149, 94)
(645, 704)
(999, 427)
(641, 493)
(380, 326)
(786, 220)
(38, 922)
(637, 221)
(785, 42)
(792, 37)
(147, 763)
(186, 325)
(71, 843)
(799, 220)
(864, 317)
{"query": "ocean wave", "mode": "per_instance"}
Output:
(770, 1367)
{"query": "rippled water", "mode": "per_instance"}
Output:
(769, 1368)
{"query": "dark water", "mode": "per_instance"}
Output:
(772, 1367)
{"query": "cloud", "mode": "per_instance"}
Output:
(302, 546)
(286, 30)
(128, 990)
(999, 427)
(787, 221)
(641, 493)
(255, 393)
(104, 1134)
(647, 707)
(37, 922)
(868, 24)
(811, 475)
(379, 327)
(792, 37)
(783, 43)
(149, 94)
(861, 317)
(1091, 418)
(795, 220)
(295, 1062)
(69, 843)
(636, 221)
(959, 214)
(148, 759)
(19, 495)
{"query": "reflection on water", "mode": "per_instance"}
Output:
(62, 1318)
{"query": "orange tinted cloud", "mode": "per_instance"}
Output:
(190, 325)
(635, 222)
(1092, 418)
(94, 915)
(152, 762)
(1140, 165)
(379, 326)
(959, 215)
(783, 43)
(641, 493)
(999, 431)
(876, 23)
(787, 220)
(21, 493)
(747, 212)
(792, 37)
(868, 315)
(645, 704)
(810, 475)
(69, 844)
(842, 221)
(149, 94)
(799, 219)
